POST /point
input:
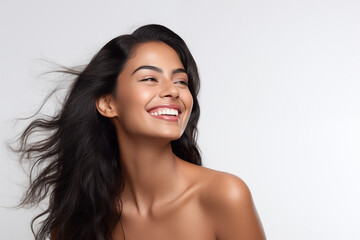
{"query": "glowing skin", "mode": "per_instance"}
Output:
(153, 79)
(165, 197)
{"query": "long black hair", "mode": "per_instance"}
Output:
(83, 176)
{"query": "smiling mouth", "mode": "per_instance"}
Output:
(166, 113)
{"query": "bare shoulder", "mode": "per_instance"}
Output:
(227, 201)
(216, 187)
(224, 189)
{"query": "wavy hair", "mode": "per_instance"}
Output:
(78, 162)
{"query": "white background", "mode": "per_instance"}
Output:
(279, 98)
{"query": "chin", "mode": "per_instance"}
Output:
(170, 137)
(167, 134)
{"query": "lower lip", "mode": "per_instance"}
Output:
(167, 118)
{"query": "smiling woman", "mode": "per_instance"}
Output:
(152, 86)
(121, 157)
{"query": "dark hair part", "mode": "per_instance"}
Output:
(82, 174)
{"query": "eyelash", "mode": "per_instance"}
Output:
(183, 82)
(153, 79)
(147, 79)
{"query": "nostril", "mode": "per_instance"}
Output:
(172, 95)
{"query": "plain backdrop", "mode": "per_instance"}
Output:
(280, 96)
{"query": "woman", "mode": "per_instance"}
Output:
(122, 159)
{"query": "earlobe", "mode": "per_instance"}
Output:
(105, 106)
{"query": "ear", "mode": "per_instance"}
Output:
(106, 106)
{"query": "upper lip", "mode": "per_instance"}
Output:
(173, 106)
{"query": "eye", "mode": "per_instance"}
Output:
(149, 79)
(182, 82)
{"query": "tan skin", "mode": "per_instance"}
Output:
(166, 197)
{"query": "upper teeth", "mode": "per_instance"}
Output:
(165, 112)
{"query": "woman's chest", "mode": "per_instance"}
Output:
(184, 222)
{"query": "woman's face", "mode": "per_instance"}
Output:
(152, 96)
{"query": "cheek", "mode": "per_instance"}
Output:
(144, 95)
(133, 99)
(188, 100)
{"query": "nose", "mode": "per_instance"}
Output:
(168, 89)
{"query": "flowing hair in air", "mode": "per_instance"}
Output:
(79, 163)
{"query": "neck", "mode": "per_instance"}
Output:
(151, 173)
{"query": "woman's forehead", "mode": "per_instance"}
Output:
(154, 53)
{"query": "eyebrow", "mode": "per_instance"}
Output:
(159, 70)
